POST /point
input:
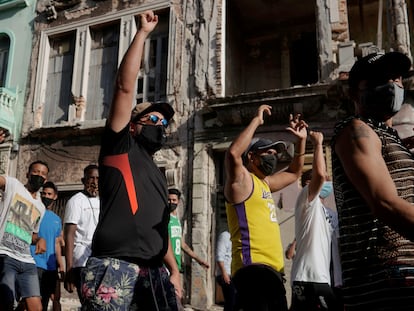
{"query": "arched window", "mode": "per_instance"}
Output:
(4, 57)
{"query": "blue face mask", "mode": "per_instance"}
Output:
(326, 190)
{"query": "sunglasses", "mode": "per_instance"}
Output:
(279, 155)
(154, 119)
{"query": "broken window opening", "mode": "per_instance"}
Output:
(152, 78)
(270, 46)
(59, 79)
(102, 70)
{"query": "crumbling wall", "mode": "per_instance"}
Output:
(199, 62)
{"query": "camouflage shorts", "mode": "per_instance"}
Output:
(117, 285)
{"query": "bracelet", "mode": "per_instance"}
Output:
(299, 154)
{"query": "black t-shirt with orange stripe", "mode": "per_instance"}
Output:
(133, 223)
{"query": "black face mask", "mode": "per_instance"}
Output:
(172, 207)
(152, 137)
(383, 101)
(268, 163)
(36, 182)
(47, 201)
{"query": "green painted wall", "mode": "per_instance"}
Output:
(16, 21)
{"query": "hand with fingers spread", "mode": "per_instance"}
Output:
(297, 126)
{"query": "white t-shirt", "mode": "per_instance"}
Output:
(314, 228)
(82, 211)
(20, 216)
(223, 251)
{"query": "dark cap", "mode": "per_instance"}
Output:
(143, 108)
(378, 67)
(264, 144)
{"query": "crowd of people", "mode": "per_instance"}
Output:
(122, 239)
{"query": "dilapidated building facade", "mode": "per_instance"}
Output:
(215, 62)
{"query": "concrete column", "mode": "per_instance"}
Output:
(324, 38)
(201, 284)
(400, 29)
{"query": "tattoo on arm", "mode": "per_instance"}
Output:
(359, 132)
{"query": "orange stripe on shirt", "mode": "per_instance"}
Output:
(121, 162)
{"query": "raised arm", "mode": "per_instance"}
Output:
(282, 179)
(359, 150)
(120, 112)
(238, 183)
(318, 165)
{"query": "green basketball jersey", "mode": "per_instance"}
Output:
(175, 232)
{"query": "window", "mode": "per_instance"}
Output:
(78, 65)
(152, 79)
(363, 25)
(59, 79)
(269, 47)
(4, 56)
(102, 71)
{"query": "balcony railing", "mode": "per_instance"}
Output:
(8, 102)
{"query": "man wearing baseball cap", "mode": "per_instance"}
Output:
(251, 178)
(126, 270)
(374, 189)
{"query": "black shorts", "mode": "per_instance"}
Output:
(47, 281)
(309, 296)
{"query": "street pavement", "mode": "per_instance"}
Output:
(70, 302)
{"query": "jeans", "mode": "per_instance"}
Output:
(17, 275)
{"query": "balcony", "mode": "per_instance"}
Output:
(8, 102)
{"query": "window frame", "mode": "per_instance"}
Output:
(127, 27)
(4, 68)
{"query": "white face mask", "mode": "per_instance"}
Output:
(383, 101)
